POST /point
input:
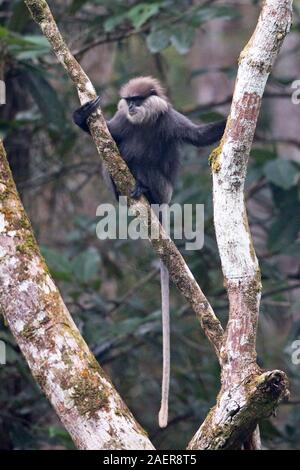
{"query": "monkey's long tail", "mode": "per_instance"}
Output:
(165, 310)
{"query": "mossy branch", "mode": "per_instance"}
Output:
(239, 409)
(59, 359)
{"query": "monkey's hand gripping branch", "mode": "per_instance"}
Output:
(124, 181)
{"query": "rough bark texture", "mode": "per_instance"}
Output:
(84, 398)
(81, 393)
(106, 147)
(238, 409)
(239, 262)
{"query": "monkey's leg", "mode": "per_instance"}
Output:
(81, 115)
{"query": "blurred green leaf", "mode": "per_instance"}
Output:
(138, 15)
(202, 15)
(141, 13)
(10, 38)
(45, 97)
(285, 227)
(291, 250)
(76, 5)
(86, 265)
(20, 17)
(283, 232)
(158, 40)
(281, 172)
(59, 265)
(182, 39)
(24, 47)
(262, 155)
(61, 435)
(36, 46)
(112, 22)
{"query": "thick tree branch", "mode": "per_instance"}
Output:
(239, 262)
(106, 147)
(79, 390)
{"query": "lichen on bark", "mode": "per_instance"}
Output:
(57, 355)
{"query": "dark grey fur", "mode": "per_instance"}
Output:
(152, 149)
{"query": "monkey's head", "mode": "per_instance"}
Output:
(142, 100)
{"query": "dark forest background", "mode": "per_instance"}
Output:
(112, 287)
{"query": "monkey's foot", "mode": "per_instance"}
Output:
(138, 190)
(81, 115)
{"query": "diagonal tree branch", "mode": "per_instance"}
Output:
(106, 147)
(60, 361)
(238, 410)
(240, 372)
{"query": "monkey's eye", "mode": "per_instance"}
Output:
(135, 101)
(139, 101)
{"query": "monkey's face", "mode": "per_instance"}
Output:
(139, 109)
(133, 103)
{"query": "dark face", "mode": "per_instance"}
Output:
(134, 102)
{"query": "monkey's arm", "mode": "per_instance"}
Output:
(198, 135)
(116, 127)
(81, 115)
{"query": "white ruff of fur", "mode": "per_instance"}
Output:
(149, 111)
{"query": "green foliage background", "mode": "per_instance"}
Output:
(112, 287)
